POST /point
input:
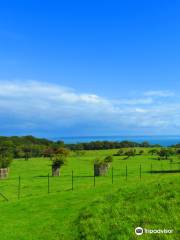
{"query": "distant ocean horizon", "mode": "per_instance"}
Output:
(162, 140)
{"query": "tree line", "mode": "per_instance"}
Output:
(160, 153)
(102, 145)
(29, 146)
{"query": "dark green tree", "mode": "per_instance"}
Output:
(59, 158)
(165, 153)
(153, 151)
(130, 153)
(6, 154)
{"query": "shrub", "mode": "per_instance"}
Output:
(153, 151)
(130, 153)
(104, 161)
(5, 161)
(108, 159)
(165, 153)
(119, 153)
(5, 154)
(141, 152)
(60, 157)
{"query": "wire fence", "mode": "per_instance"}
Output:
(23, 187)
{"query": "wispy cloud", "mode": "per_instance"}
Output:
(159, 93)
(34, 106)
(136, 101)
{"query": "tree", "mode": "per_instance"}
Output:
(130, 153)
(59, 158)
(62, 151)
(48, 152)
(119, 153)
(145, 144)
(27, 152)
(60, 144)
(6, 154)
(164, 153)
(5, 160)
(108, 159)
(141, 152)
(178, 151)
(18, 152)
(153, 151)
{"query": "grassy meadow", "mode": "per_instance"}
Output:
(107, 207)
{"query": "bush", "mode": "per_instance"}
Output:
(141, 152)
(60, 157)
(119, 153)
(5, 154)
(165, 153)
(104, 161)
(108, 159)
(5, 161)
(130, 153)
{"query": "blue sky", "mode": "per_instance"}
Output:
(89, 68)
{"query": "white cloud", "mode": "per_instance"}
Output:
(37, 105)
(136, 101)
(159, 93)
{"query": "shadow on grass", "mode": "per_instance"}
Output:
(41, 176)
(45, 176)
(165, 171)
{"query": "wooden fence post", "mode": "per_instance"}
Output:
(48, 184)
(94, 179)
(72, 180)
(126, 172)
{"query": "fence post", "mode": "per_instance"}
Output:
(48, 184)
(94, 179)
(126, 172)
(19, 187)
(72, 180)
(112, 176)
(140, 171)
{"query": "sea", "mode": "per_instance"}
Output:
(162, 140)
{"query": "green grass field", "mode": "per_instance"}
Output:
(109, 210)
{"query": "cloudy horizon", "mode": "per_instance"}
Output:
(47, 109)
